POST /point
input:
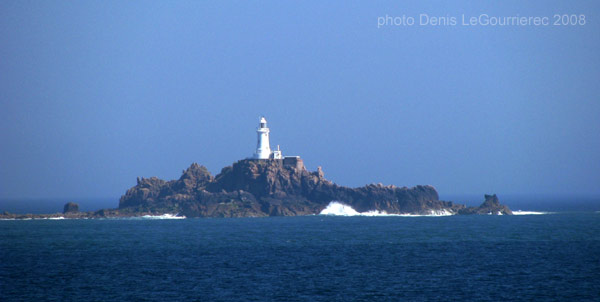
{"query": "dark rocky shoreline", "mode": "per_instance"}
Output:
(260, 188)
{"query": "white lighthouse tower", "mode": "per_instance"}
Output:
(263, 150)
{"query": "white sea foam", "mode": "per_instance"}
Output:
(164, 216)
(337, 208)
(35, 218)
(519, 212)
(443, 212)
(432, 213)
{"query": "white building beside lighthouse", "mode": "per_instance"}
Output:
(263, 147)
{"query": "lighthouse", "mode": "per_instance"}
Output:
(263, 149)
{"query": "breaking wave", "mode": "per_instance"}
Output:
(339, 209)
(336, 208)
(519, 212)
(163, 216)
(35, 218)
(432, 213)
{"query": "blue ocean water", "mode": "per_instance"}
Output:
(554, 257)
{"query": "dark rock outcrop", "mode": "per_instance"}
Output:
(71, 207)
(277, 188)
(490, 206)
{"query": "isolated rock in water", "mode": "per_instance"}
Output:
(491, 206)
(71, 207)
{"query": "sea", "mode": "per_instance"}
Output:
(537, 256)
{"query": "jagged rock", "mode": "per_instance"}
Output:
(278, 188)
(71, 207)
(194, 177)
(490, 206)
(320, 173)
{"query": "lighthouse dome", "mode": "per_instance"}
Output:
(263, 122)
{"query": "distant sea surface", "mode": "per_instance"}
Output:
(551, 257)
(55, 205)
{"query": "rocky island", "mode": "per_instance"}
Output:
(281, 187)
(273, 187)
(270, 184)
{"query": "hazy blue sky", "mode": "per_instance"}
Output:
(96, 93)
